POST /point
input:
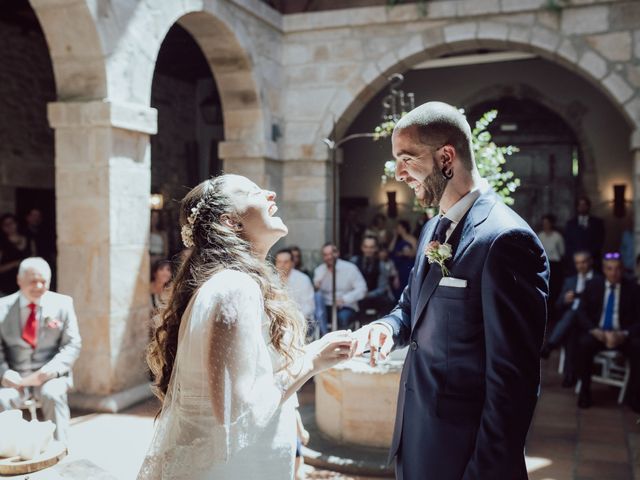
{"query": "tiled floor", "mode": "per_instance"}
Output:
(601, 443)
(565, 443)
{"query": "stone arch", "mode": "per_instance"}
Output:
(220, 33)
(571, 115)
(571, 53)
(75, 49)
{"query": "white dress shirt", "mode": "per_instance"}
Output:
(301, 291)
(616, 305)
(457, 212)
(350, 284)
(580, 284)
(553, 244)
(583, 221)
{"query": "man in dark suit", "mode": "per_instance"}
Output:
(609, 315)
(566, 331)
(379, 296)
(585, 232)
(472, 372)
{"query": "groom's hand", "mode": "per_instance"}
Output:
(376, 340)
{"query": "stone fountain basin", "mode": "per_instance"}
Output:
(356, 403)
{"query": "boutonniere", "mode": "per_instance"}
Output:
(52, 323)
(439, 253)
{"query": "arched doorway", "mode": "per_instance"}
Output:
(190, 126)
(27, 178)
(582, 115)
(547, 163)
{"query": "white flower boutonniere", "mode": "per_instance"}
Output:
(439, 253)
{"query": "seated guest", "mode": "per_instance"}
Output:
(297, 260)
(609, 314)
(161, 275)
(298, 284)
(402, 250)
(350, 285)
(390, 269)
(566, 331)
(39, 343)
(375, 275)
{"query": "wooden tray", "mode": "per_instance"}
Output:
(15, 466)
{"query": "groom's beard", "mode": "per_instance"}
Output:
(433, 186)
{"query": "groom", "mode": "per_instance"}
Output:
(472, 374)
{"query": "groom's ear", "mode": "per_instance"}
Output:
(448, 155)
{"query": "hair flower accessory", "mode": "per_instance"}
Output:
(439, 253)
(187, 229)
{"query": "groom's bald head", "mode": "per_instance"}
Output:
(439, 123)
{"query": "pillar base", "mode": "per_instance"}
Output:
(113, 403)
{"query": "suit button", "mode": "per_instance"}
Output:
(414, 345)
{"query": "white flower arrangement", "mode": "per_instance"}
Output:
(186, 232)
(439, 253)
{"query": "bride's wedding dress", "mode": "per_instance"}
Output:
(222, 417)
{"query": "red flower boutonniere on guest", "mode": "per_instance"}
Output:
(53, 323)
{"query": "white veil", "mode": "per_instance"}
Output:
(223, 390)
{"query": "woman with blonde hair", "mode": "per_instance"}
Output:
(228, 355)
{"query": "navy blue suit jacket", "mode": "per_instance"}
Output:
(592, 303)
(471, 378)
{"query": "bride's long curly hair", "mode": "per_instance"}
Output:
(218, 247)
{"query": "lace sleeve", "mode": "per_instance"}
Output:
(244, 391)
(223, 391)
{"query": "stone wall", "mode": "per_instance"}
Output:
(26, 140)
(297, 74)
(601, 132)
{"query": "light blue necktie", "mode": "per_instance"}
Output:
(608, 311)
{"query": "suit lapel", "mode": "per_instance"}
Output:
(477, 214)
(428, 287)
(422, 259)
(13, 320)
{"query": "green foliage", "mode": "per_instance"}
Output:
(490, 158)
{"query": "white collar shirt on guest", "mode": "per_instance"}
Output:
(351, 286)
(459, 210)
(580, 284)
(25, 310)
(583, 221)
(616, 305)
(301, 290)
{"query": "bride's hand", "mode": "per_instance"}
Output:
(333, 348)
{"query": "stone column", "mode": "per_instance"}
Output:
(102, 164)
(307, 206)
(258, 162)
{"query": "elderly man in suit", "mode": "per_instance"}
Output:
(39, 343)
(609, 314)
(473, 317)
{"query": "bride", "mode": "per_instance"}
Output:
(228, 354)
